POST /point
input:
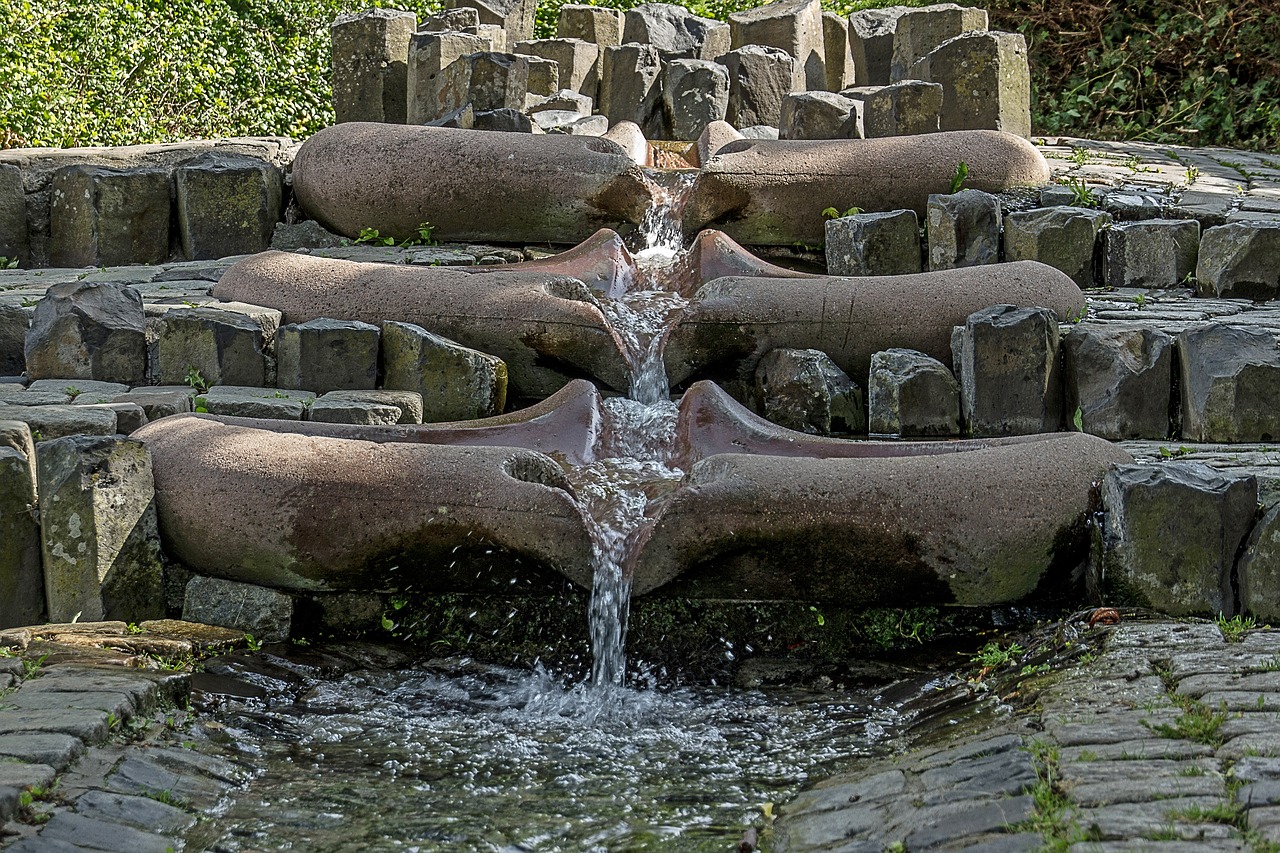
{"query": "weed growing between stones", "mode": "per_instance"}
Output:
(1234, 629)
(958, 177)
(1052, 816)
(1197, 723)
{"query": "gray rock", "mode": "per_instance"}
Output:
(759, 78)
(55, 750)
(1150, 253)
(81, 390)
(21, 572)
(820, 115)
(1119, 379)
(1054, 195)
(14, 322)
(432, 89)
(586, 126)
(945, 827)
(1171, 532)
(631, 88)
(544, 77)
(904, 108)
(1239, 260)
(502, 121)
(463, 19)
(353, 412)
(103, 217)
(515, 17)
(676, 32)
(129, 416)
(578, 62)
(247, 402)
(157, 404)
(307, 234)
(228, 204)
(225, 347)
(595, 24)
(463, 118)
(874, 244)
(559, 121)
(695, 93)
(21, 396)
(1006, 359)
(370, 53)
(804, 390)
(871, 33)
(918, 31)
(327, 355)
(911, 394)
(264, 613)
(986, 82)
(88, 726)
(1259, 571)
(565, 100)
(837, 55)
(792, 25)
(488, 80)
(1065, 238)
(962, 230)
(14, 240)
(50, 422)
(456, 383)
(409, 403)
(98, 520)
(143, 813)
(1230, 381)
(84, 330)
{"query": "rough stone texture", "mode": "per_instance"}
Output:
(1259, 571)
(353, 412)
(910, 394)
(1006, 359)
(456, 383)
(102, 217)
(463, 19)
(227, 204)
(432, 88)
(1065, 238)
(820, 115)
(838, 57)
(763, 192)
(1171, 535)
(544, 78)
(1151, 253)
(676, 32)
(256, 610)
(515, 17)
(1230, 381)
(919, 31)
(874, 244)
(370, 62)
(83, 330)
(98, 520)
(805, 391)
(1239, 260)
(594, 24)
(1119, 379)
(871, 33)
(14, 240)
(986, 82)
(450, 178)
(409, 403)
(21, 574)
(157, 403)
(253, 402)
(224, 347)
(695, 93)
(48, 422)
(327, 355)
(631, 88)
(579, 63)
(307, 234)
(962, 230)
(792, 25)
(902, 109)
(715, 136)
(487, 80)
(14, 322)
(759, 78)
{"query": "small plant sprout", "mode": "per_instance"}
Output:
(958, 177)
(1191, 175)
(1234, 629)
(8, 263)
(372, 237)
(1080, 156)
(1081, 194)
(1077, 419)
(834, 213)
(196, 380)
(71, 391)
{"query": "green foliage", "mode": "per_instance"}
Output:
(372, 237)
(8, 263)
(1081, 194)
(834, 213)
(958, 177)
(196, 380)
(995, 655)
(1234, 629)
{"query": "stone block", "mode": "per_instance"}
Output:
(370, 65)
(820, 115)
(431, 92)
(21, 396)
(560, 121)
(804, 390)
(874, 244)
(1006, 359)
(792, 25)
(759, 78)
(1259, 569)
(1152, 253)
(715, 136)
(103, 217)
(578, 62)
(307, 234)
(911, 394)
(905, 108)
(456, 383)
(21, 572)
(1230, 381)
(463, 19)
(223, 347)
(264, 613)
(239, 401)
(129, 416)
(98, 521)
(695, 93)
(565, 100)
(495, 37)
(50, 422)
(14, 322)
(544, 78)
(327, 355)
(353, 412)
(1119, 379)
(156, 403)
(837, 55)
(487, 80)
(631, 88)
(676, 32)
(515, 17)
(90, 389)
(595, 24)
(1065, 238)
(502, 121)
(84, 330)
(15, 242)
(962, 230)
(1239, 261)
(409, 403)
(228, 204)
(918, 32)
(1171, 532)
(871, 33)
(986, 82)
